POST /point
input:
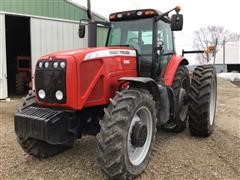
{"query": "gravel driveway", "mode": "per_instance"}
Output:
(175, 156)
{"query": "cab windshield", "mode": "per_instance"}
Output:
(132, 33)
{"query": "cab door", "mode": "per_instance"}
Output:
(165, 46)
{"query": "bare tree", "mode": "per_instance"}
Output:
(207, 36)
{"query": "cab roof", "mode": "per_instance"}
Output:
(136, 14)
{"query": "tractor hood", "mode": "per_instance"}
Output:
(82, 77)
(92, 53)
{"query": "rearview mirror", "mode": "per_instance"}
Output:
(81, 31)
(177, 22)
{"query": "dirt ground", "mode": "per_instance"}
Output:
(175, 156)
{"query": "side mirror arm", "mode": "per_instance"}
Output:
(177, 9)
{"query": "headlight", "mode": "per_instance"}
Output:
(40, 64)
(59, 95)
(55, 64)
(139, 13)
(41, 94)
(46, 64)
(62, 64)
(119, 15)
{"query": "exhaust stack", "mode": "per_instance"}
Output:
(92, 27)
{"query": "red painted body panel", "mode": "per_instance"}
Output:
(171, 69)
(91, 82)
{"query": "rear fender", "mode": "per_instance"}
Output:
(172, 67)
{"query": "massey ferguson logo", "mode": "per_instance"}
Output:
(119, 52)
(110, 53)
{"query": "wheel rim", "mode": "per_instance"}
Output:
(137, 155)
(212, 102)
(182, 105)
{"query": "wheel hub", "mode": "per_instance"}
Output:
(182, 104)
(182, 97)
(139, 134)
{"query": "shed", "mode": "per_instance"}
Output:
(228, 59)
(31, 28)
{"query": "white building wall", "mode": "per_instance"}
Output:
(52, 35)
(3, 66)
(232, 53)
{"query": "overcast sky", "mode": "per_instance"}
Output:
(197, 13)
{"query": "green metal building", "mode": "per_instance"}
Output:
(31, 28)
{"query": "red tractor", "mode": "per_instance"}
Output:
(23, 75)
(122, 93)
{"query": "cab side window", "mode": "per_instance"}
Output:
(115, 37)
(165, 37)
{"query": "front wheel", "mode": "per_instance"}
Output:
(127, 134)
(40, 149)
(35, 147)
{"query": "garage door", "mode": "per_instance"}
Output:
(3, 67)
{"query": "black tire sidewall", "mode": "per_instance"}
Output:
(20, 85)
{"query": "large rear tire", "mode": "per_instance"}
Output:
(202, 104)
(34, 147)
(180, 88)
(20, 85)
(127, 134)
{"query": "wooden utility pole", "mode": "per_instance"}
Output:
(215, 51)
(224, 55)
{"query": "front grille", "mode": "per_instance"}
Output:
(50, 80)
(39, 113)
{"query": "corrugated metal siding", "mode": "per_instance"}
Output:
(47, 8)
(232, 53)
(3, 66)
(49, 36)
(60, 9)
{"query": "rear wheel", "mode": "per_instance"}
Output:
(20, 85)
(127, 134)
(180, 88)
(203, 95)
(34, 147)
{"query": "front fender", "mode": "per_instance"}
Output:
(146, 83)
(160, 95)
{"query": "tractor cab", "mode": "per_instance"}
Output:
(147, 31)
